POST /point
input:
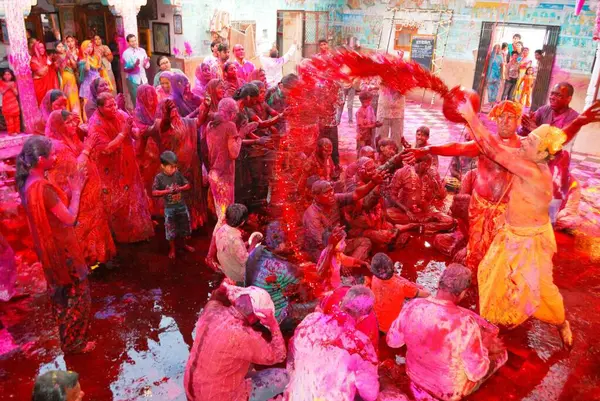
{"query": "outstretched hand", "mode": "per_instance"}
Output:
(591, 114)
(466, 110)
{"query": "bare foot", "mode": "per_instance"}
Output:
(172, 254)
(189, 248)
(566, 334)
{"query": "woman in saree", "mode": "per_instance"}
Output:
(494, 75)
(54, 99)
(147, 142)
(123, 191)
(232, 82)
(203, 76)
(45, 77)
(89, 69)
(92, 228)
(66, 64)
(187, 103)
(98, 86)
(163, 90)
(180, 135)
(51, 217)
(105, 55)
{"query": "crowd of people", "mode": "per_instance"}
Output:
(511, 72)
(222, 147)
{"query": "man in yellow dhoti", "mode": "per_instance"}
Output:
(488, 203)
(515, 276)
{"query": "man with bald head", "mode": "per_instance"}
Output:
(244, 67)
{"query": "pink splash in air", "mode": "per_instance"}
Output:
(579, 7)
(597, 29)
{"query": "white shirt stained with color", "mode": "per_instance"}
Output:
(274, 66)
(138, 75)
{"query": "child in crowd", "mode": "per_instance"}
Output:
(512, 75)
(170, 184)
(390, 290)
(10, 102)
(526, 87)
(366, 121)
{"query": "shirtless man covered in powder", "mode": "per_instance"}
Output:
(488, 203)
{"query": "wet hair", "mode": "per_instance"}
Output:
(223, 47)
(424, 130)
(131, 35)
(570, 89)
(34, 147)
(227, 65)
(323, 141)
(387, 142)
(354, 309)
(245, 91)
(323, 41)
(103, 98)
(289, 81)
(236, 214)
(365, 95)
(504, 46)
(455, 279)
(53, 385)
(215, 43)
(382, 266)
(259, 84)
(159, 59)
(517, 35)
(13, 78)
(168, 158)
(540, 52)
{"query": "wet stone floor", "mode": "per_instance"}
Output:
(144, 312)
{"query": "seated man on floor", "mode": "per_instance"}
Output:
(386, 149)
(237, 328)
(268, 268)
(324, 214)
(407, 203)
(390, 290)
(367, 218)
(232, 251)
(319, 163)
(466, 351)
(350, 172)
(432, 186)
(330, 358)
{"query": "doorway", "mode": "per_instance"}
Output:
(534, 37)
(307, 27)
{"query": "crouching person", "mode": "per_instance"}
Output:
(236, 329)
(462, 358)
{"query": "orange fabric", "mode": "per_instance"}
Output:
(485, 219)
(43, 84)
(10, 102)
(389, 298)
(55, 243)
(506, 106)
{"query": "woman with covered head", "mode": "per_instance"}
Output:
(181, 94)
(45, 77)
(110, 132)
(53, 100)
(89, 69)
(204, 75)
(515, 276)
(52, 217)
(230, 76)
(66, 64)
(71, 154)
(179, 134)
(98, 86)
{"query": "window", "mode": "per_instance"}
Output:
(402, 38)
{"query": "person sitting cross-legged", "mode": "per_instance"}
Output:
(466, 350)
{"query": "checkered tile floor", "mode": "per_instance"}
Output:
(585, 168)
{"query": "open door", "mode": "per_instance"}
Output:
(290, 28)
(542, 81)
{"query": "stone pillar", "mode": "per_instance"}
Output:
(19, 61)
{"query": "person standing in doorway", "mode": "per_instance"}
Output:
(511, 77)
(136, 62)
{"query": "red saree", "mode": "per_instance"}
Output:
(92, 227)
(122, 187)
(181, 138)
(45, 77)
